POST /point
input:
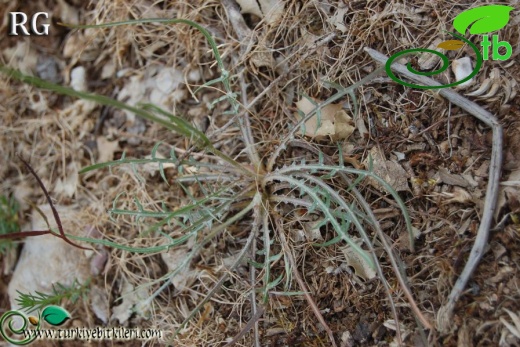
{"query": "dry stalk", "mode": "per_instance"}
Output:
(55, 214)
(259, 219)
(236, 263)
(444, 321)
(247, 327)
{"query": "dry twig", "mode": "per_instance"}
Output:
(444, 322)
(55, 214)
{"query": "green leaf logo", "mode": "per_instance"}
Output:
(55, 315)
(483, 19)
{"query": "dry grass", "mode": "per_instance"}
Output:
(61, 135)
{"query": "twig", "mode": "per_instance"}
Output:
(244, 34)
(248, 327)
(259, 219)
(245, 127)
(24, 234)
(444, 322)
(54, 212)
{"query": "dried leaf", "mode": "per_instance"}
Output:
(262, 57)
(464, 336)
(390, 171)
(452, 179)
(106, 149)
(334, 121)
(337, 19)
(458, 195)
(99, 303)
(312, 230)
(185, 277)
(68, 14)
(159, 85)
(514, 329)
(361, 267)
(153, 168)
(271, 10)
(509, 191)
(22, 57)
(132, 301)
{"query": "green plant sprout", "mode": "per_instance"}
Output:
(232, 191)
(38, 301)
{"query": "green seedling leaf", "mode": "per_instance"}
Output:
(330, 242)
(483, 19)
(256, 264)
(55, 315)
(275, 257)
(451, 45)
(209, 83)
(275, 282)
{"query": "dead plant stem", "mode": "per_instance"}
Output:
(444, 321)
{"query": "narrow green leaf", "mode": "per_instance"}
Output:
(180, 125)
(256, 264)
(331, 242)
(209, 83)
(275, 257)
(274, 283)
